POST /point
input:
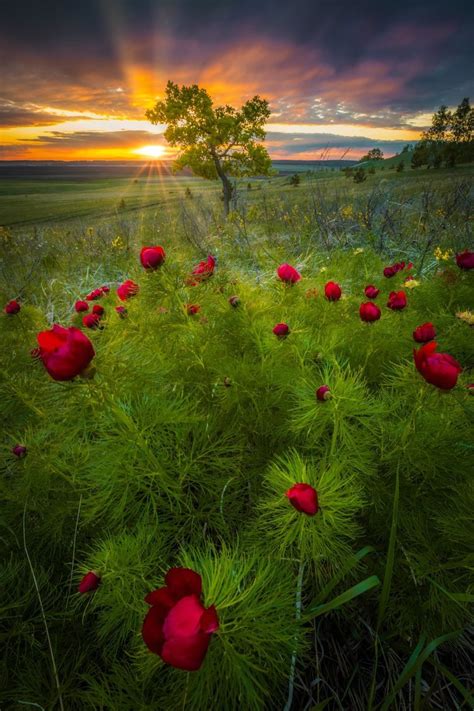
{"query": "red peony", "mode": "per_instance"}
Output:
(234, 301)
(205, 269)
(371, 291)
(65, 352)
(281, 330)
(89, 582)
(397, 300)
(121, 310)
(192, 309)
(91, 321)
(105, 289)
(127, 290)
(95, 294)
(332, 291)
(12, 308)
(438, 369)
(424, 333)
(304, 498)
(81, 306)
(178, 627)
(394, 269)
(288, 274)
(323, 393)
(465, 260)
(19, 450)
(369, 312)
(98, 310)
(152, 257)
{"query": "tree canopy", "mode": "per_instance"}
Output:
(215, 141)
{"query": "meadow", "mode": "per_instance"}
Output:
(175, 447)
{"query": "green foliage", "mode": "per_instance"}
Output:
(215, 142)
(180, 448)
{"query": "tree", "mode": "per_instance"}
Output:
(373, 154)
(215, 141)
(295, 180)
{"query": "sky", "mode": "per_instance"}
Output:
(341, 76)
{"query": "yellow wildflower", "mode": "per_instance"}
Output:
(466, 316)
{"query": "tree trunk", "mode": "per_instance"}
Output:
(226, 184)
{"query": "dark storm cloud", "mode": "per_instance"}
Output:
(321, 141)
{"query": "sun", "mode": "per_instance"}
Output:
(151, 151)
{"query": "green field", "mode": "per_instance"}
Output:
(177, 444)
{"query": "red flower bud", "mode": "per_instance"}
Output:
(465, 260)
(371, 291)
(438, 369)
(288, 274)
(234, 301)
(121, 310)
(127, 290)
(105, 289)
(397, 300)
(12, 308)
(81, 306)
(65, 352)
(19, 450)
(178, 627)
(95, 294)
(89, 582)
(98, 310)
(369, 312)
(323, 393)
(332, 291)
(281, 330)
(424, 333)
(91, 321)
(152, 257)
(304, 498)
(192, 309)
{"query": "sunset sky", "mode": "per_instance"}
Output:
(77, 77)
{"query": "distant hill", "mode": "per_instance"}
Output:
(388, 162)
(302, 166)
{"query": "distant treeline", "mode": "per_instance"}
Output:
(449, 140)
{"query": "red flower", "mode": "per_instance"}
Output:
(281, 330)
(438, 369)
(178, 627)
(424, 333)
(288, 274)
(304, 498)
(95, 294)
(89, 582)
(192, 309)
(19, 450)
(397, 300)
(91, 320)
(105, 289)
(332, 291)
(205, 269)
(234, 301)
(127, 290)
(369, 312)
(152, 257)
(81, 306)
(465, 260)
(12, 308)
(323, 393)
(371, 291)
(394, 269)
(98, 310)
(121, 310)
(65, 352)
